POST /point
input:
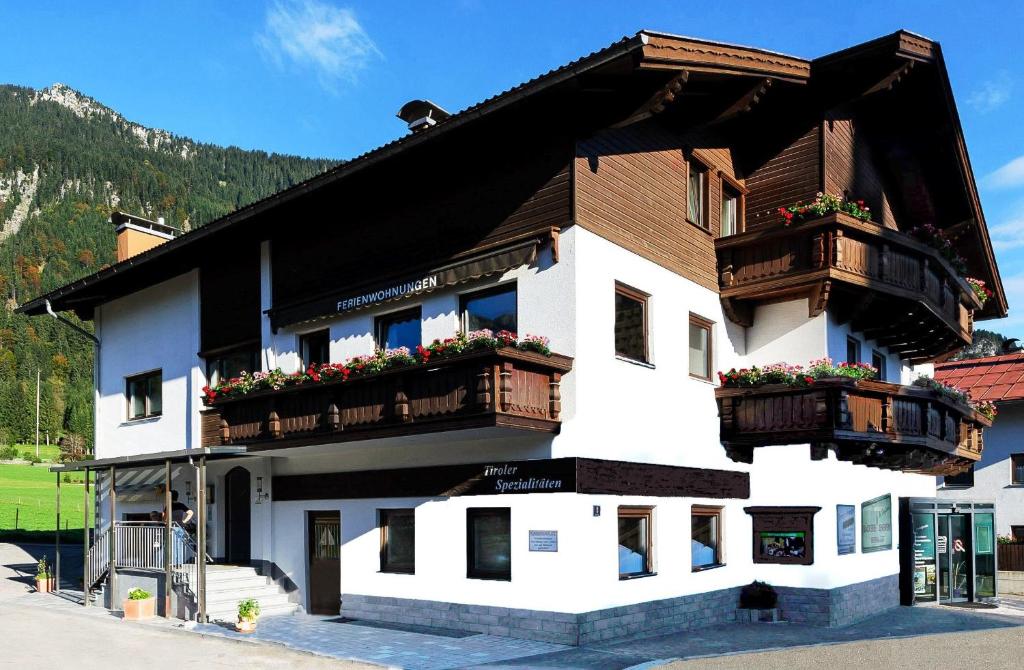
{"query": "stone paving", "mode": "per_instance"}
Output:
(415, 651)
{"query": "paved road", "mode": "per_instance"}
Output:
(35, 637)
(990, 649)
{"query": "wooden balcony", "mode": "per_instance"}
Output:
(504, 388)
(873, 423)
(886, 284)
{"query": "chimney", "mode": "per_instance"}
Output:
(136, 234)
(421, 115)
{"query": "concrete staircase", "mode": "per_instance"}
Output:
(228, 584)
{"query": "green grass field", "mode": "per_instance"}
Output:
(46, 452)
(28, 498)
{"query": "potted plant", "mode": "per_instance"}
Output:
(44, 580)
(758, 602)
(248, 612)
(140, 605)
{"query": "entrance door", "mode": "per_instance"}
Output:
(237, 517)
(953, 545)
(324, 562)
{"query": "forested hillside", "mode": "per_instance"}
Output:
(66, 162)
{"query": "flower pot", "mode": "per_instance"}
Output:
(44, 584)
(245, 626)
(139, 610)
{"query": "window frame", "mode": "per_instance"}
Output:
(217, 356)
(709, 511)
(143, 376)
(694, 164)
(644, 299)
(882, 371)
(853, 341)
(483, 293)
(304, 338)
(645, 512)
(491, 575)
(709, 326)
(1017, 533)
(384, 516)
(1013, 469)
(729, 185)
(964, 480)
(382, 319)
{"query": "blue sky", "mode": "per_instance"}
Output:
(325, 77)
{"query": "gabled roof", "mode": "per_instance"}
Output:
(648, 51)
(996, 378)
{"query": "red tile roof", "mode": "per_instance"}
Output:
(996, 378)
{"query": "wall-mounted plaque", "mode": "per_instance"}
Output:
(846, 529)
(543, 540)
(783, 534)
(876, 524)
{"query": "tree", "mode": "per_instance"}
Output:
(987, 343)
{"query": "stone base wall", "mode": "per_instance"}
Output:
(819, 607)
(840, 606)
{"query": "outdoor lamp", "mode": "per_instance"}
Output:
(260, 495)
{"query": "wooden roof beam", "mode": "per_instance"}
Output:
(662, 98)
(891, 80)
(745, 102)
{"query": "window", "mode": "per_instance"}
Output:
(494, 309)
(852, 350)
(696, 194)
(700, 347)
(315, 347)
(731, 211)
(397, 540)
(145, 395)
(1017, 533)
(489, 543)
(399, 330)
(630, 323)
(1017, 469)
(222, 367)
(705, 537)
(963, 480)
(635, 556)
(878, 362)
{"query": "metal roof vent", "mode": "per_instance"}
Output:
(421, 114)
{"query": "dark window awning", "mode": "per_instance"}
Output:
(408, 285)
(158, 457)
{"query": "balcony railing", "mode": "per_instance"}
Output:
(503, 388)
(883, 425)
(889, 286)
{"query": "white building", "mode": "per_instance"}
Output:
(625, 207)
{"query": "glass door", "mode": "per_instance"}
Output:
(924, 557)
(953, 549)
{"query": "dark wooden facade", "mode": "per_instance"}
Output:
(505, 388)
(868, 422)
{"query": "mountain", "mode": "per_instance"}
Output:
(67, 161)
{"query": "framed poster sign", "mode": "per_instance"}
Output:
(876, 524)
(846, 529)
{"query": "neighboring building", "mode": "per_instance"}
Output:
(999, 475)
(625, 206)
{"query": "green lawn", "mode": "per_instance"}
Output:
(46, 452)
(28, 498)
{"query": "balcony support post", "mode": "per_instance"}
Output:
(333, 418)
(112, 506)
(86, 586)
(505, 387)
(402, 409)
(555, 396)
(274, 425)
(168, 540)
(485, 387)
(225, 431)
(201, 541)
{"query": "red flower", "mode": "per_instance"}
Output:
(809, 380)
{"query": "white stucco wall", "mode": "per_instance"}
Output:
(992, 475)
(155, 328)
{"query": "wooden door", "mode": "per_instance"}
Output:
(237, 517)
(324, 553)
